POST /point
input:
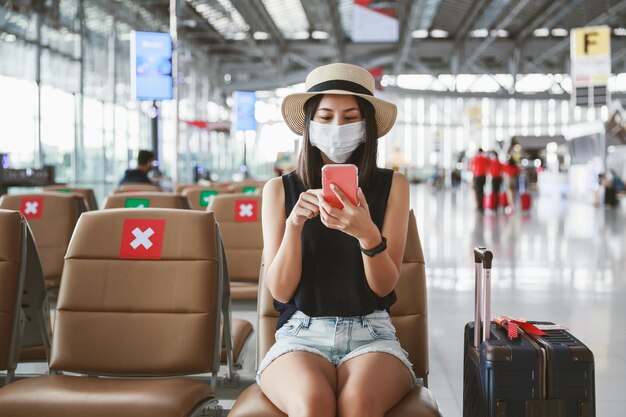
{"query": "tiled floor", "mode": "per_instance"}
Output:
(563, 262)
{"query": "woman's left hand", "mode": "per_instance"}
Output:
(353, 220)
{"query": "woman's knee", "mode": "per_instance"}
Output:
(354, 402)
(320, 402)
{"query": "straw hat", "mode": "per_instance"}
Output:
(338, 79)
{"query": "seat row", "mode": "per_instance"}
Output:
(52, 216)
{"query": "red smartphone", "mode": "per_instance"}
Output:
(344, 176)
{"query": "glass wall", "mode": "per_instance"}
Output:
(92, 138)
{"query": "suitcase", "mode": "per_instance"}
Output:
(489, 201)
(503, 201)
(525, 201)
(551, 375)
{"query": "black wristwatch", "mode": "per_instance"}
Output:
(375, 250)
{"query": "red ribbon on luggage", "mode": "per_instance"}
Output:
(513, 325)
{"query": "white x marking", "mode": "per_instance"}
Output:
(31, 207)
(142, 238)
(245, 210)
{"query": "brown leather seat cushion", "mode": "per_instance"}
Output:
(241, 329)
(243, 291)
(419, 402)
(69, 396)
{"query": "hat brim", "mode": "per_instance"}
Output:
(293, 110)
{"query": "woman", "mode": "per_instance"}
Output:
(331, 271)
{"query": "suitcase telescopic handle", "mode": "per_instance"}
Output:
(482, 307)
(483, 256)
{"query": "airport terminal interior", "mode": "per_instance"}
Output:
(133, 119)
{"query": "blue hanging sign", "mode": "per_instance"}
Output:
(244, 105)
(151, 65)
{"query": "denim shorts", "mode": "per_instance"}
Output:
(337, 339)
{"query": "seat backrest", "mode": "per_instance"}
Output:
(239, 217)
(248, 187)
(409, 314)
(199, 197)
(140, 186)
(12, 249)
(181, 187)
(141, 295)
(51, 217)
(86, 193)
(145, 200)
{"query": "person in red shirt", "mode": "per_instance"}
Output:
(495, 172)
(511, 174)
(479, 166)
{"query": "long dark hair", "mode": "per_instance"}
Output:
(309, 168)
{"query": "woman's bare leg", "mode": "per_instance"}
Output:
(301, 384)
(371, 384)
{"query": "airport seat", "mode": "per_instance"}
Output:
(239, 217)
(410, 318)
(199, 197)
(134, 187)
(248, 187)
(87, 193)
(145, 199)
(23, 296)
(181, 187)
(51, 217)
(141, 298)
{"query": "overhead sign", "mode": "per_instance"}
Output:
(375, 21)
(151, 65)
(590, 52)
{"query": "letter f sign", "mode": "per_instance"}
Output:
(588, 39)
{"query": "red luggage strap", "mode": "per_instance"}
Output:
(513, 325)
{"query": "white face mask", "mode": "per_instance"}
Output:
(337, 141)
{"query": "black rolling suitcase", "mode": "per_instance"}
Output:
(532, 375)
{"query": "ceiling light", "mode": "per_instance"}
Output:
(560, 32)
(261, 36)
(320, 34)
(9, 37)
(419, 34)
(541, 32)
(501, 33)
(479, 33)
(437, 33)
(619, 31)
(239, 36)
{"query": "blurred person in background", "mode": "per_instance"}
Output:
(511, 174)
(495, 172)
(139, 175)
(479, 166)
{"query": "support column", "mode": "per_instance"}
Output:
(79, 97)
(174, 9)
(39, 155)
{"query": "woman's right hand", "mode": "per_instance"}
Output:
(305, 208)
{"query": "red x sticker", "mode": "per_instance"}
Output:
(142, 238)
(32, 207)
(246, 210)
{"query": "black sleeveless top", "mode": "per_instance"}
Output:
(333, 279)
